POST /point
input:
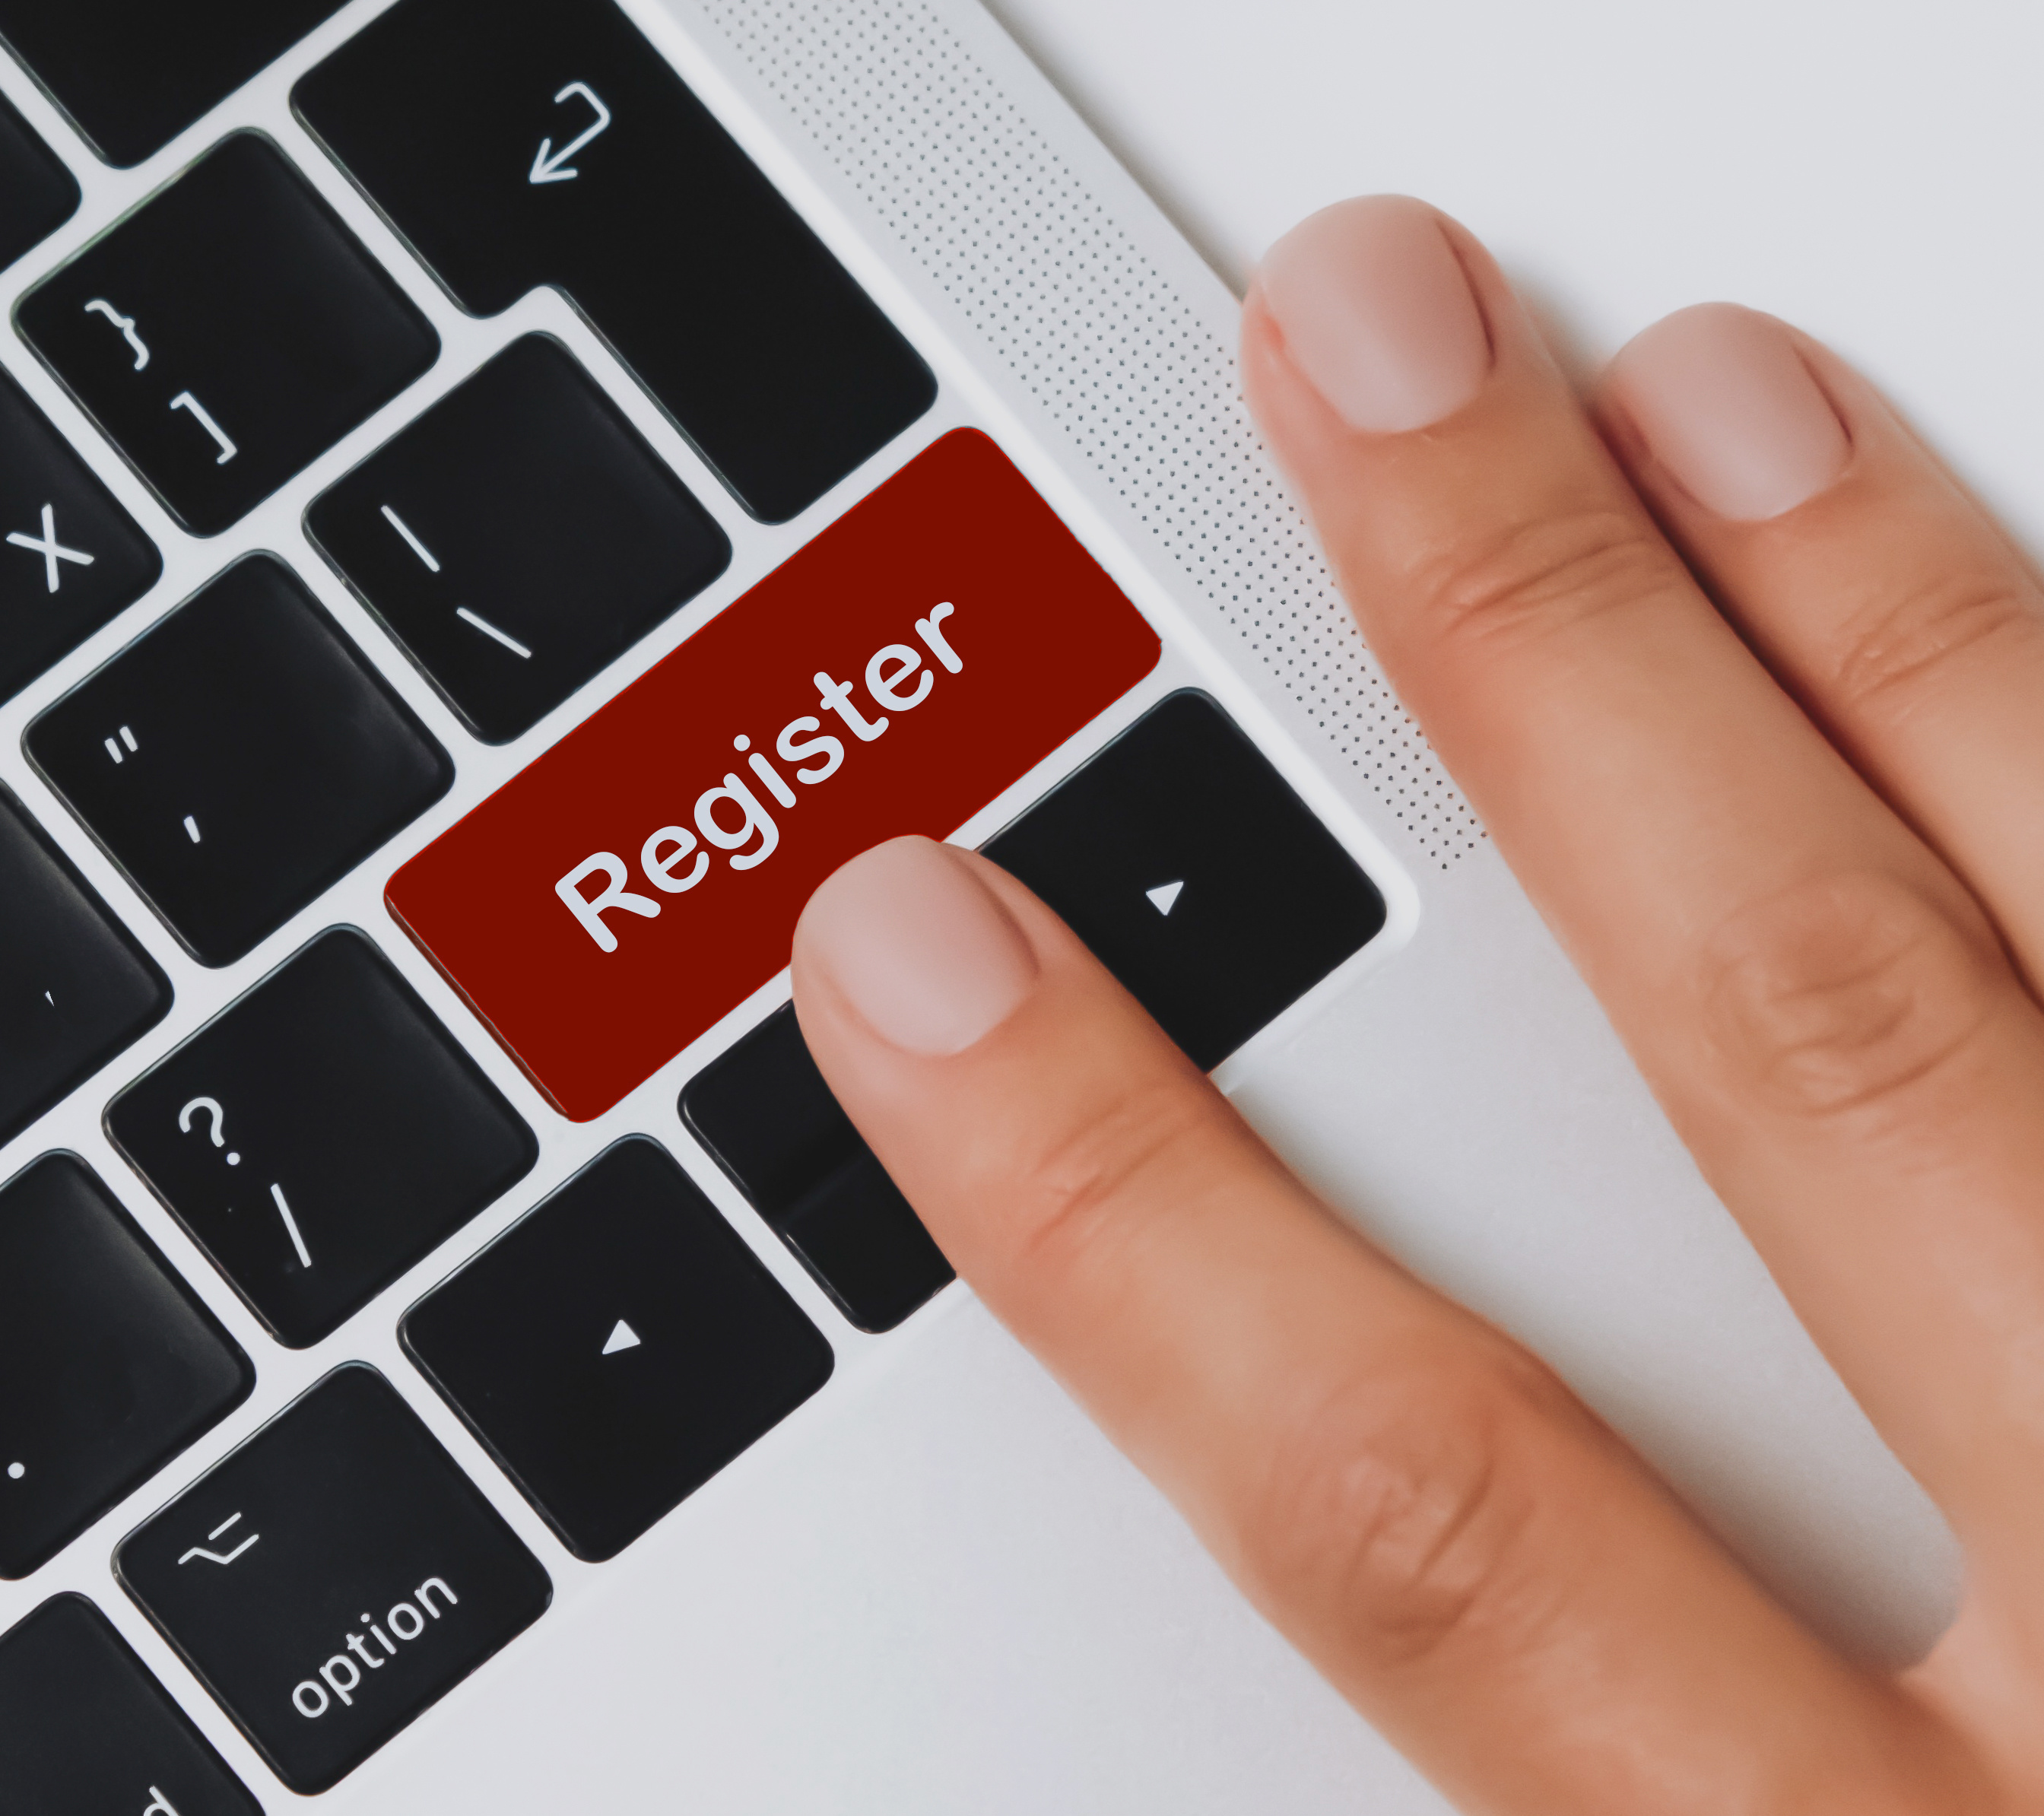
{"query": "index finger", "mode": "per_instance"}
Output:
(1460, 1547)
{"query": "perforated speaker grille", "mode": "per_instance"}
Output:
(1102, 338)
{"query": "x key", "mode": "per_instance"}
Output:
(99, 566)
(51, 551)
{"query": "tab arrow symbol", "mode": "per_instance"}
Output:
(551, 166)
(623, 1337)
(1165, 896)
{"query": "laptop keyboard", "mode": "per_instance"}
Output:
(627, 891)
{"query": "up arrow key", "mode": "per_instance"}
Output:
(1165, 896)
(624, 1336)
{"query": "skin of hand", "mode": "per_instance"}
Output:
(1747, 690)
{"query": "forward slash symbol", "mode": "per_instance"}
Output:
(213, 1537)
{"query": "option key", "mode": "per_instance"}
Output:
(333, 1578)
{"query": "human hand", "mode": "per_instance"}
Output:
(1773, 803)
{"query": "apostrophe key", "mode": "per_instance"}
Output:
(768, 1119)
(70, 558)
(133, 74)
(617, 1348)
(237, 758)
(228, 332)
(85, 1728)
(1197, 875)
(520, 143)
(127, 1367)
(517, 537)
(321, 1135)
(75, 988)
(333, 1578)
(37, 194)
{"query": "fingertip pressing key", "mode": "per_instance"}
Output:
(917, 947)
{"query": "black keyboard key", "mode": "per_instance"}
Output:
(70, 558)
(112, 1365)
(617, 1348)
(1197, 875)
(517, 537)
(333, 1578)
(768, 1119)
(519, 143)
(37, 194)
(75, 988)
(84, 1728)
(238, 758)
(321, 1135)
(228, 332)
(133, 74)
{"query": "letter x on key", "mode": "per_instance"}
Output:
(51, 551)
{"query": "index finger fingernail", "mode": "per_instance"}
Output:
(918, 947)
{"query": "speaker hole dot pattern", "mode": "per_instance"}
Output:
(1101, 338)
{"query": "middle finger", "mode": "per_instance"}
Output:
(1821, 1006)
(1902, 618)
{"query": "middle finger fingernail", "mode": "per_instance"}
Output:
(1724, 402)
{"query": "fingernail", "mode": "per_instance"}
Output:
(1724, 402)
(1377, 312)
(919, 948)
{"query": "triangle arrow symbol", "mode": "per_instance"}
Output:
(623, 1337)
(1165, 896)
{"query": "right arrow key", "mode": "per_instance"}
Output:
(1262, 900)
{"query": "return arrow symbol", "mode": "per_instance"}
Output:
(551, 166)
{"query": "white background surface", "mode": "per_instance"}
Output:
(1870, 169)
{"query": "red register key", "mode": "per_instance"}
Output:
(641, 878)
